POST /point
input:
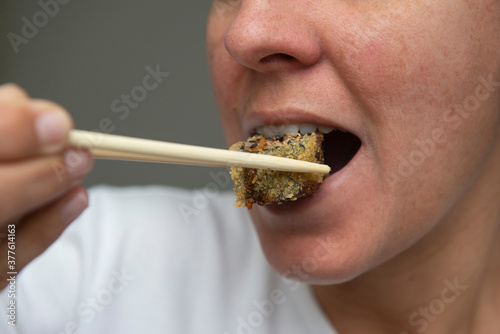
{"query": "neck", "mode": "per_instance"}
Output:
(449, 282)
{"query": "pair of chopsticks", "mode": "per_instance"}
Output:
(106, 146)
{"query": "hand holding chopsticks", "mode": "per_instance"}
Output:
(116, 147)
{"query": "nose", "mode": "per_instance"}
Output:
(269, 36)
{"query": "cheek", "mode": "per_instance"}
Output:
(436, 119)
(395, 66)
(413, 76)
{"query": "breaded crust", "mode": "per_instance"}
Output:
(268, 186)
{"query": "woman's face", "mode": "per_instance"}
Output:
(417, 82)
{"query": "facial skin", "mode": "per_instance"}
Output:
(396, 74)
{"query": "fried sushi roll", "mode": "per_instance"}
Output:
(263, 186)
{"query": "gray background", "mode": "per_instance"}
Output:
(93, 51)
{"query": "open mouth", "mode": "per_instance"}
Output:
(339, 146)
(332, 146)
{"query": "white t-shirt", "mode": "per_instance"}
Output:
(159, 260)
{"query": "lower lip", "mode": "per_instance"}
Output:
(326, 190)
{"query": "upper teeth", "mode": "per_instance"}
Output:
(280, 130)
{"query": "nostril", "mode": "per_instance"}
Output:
(276, 58)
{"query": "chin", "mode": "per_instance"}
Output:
(317, 259)
(327, 238)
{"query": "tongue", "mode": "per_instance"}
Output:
(339, 148)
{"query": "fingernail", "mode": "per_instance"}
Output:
(74, 207)
(52, 129)
(78, 164)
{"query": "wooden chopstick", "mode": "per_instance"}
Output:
(128, 148)
(114, 155)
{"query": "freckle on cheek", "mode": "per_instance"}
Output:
(372, 54)
(373, 63)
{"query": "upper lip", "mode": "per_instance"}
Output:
(253, 120)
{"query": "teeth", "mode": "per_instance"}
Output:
(290, 128)
(280, 130)
(325, 129)
(269, 131)
(307, 128)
